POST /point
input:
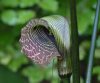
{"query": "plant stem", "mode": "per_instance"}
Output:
(93, 41)
(74, 43)
(66, 80)
(64, 69)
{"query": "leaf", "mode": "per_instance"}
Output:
(9, 3)
(17, 61)
(12, 58)
(85, 19)
(96, 70)
(97, 53)
(85, 14)
(27, 3)
(24, 16)
(6, 36)
(63, 8)
(9, 17)
(49, 5)
(12, 17)
(7, 76)
(34, 74)
(5, 60)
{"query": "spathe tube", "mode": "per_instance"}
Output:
(36, 44)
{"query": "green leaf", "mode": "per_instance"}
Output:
(24, 16)
(12, 58)
(9, 17)
(49, 5)
(35, 74)
(96, 70)
(4, 58)
(27, 3)
(97, 53)
(9, 3)
(6, 36)
(7, 76)
(85, 19)
(63, 8)
(16, 31)
(17, 61)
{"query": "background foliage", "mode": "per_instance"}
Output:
(14, 66)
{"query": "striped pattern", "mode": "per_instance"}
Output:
(36, 44)
(60, 29)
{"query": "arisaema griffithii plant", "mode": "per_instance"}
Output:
(45, 38)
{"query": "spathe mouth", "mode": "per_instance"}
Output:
(38, 44)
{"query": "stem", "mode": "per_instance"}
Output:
(66, 80)
(64, 69)
(92, 49)
(74, 43)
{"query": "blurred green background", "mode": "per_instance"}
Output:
(14, 66)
